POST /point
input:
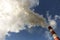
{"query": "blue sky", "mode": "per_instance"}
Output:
(38, 33)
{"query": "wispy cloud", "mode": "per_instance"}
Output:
(57, 17)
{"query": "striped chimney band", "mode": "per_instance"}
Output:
(53, 33)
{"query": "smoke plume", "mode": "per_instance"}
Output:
(51, 21)
(15, 14)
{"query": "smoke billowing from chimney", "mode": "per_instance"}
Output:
(15, 14)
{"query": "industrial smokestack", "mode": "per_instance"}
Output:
(53, 33)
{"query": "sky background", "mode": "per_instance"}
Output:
(39, 33)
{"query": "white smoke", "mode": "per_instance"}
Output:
(14, 14)
(51, 22)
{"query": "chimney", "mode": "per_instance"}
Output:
(53, 33)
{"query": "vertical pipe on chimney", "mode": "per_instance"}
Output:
(53, 33)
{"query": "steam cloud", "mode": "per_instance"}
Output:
(14, 14)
